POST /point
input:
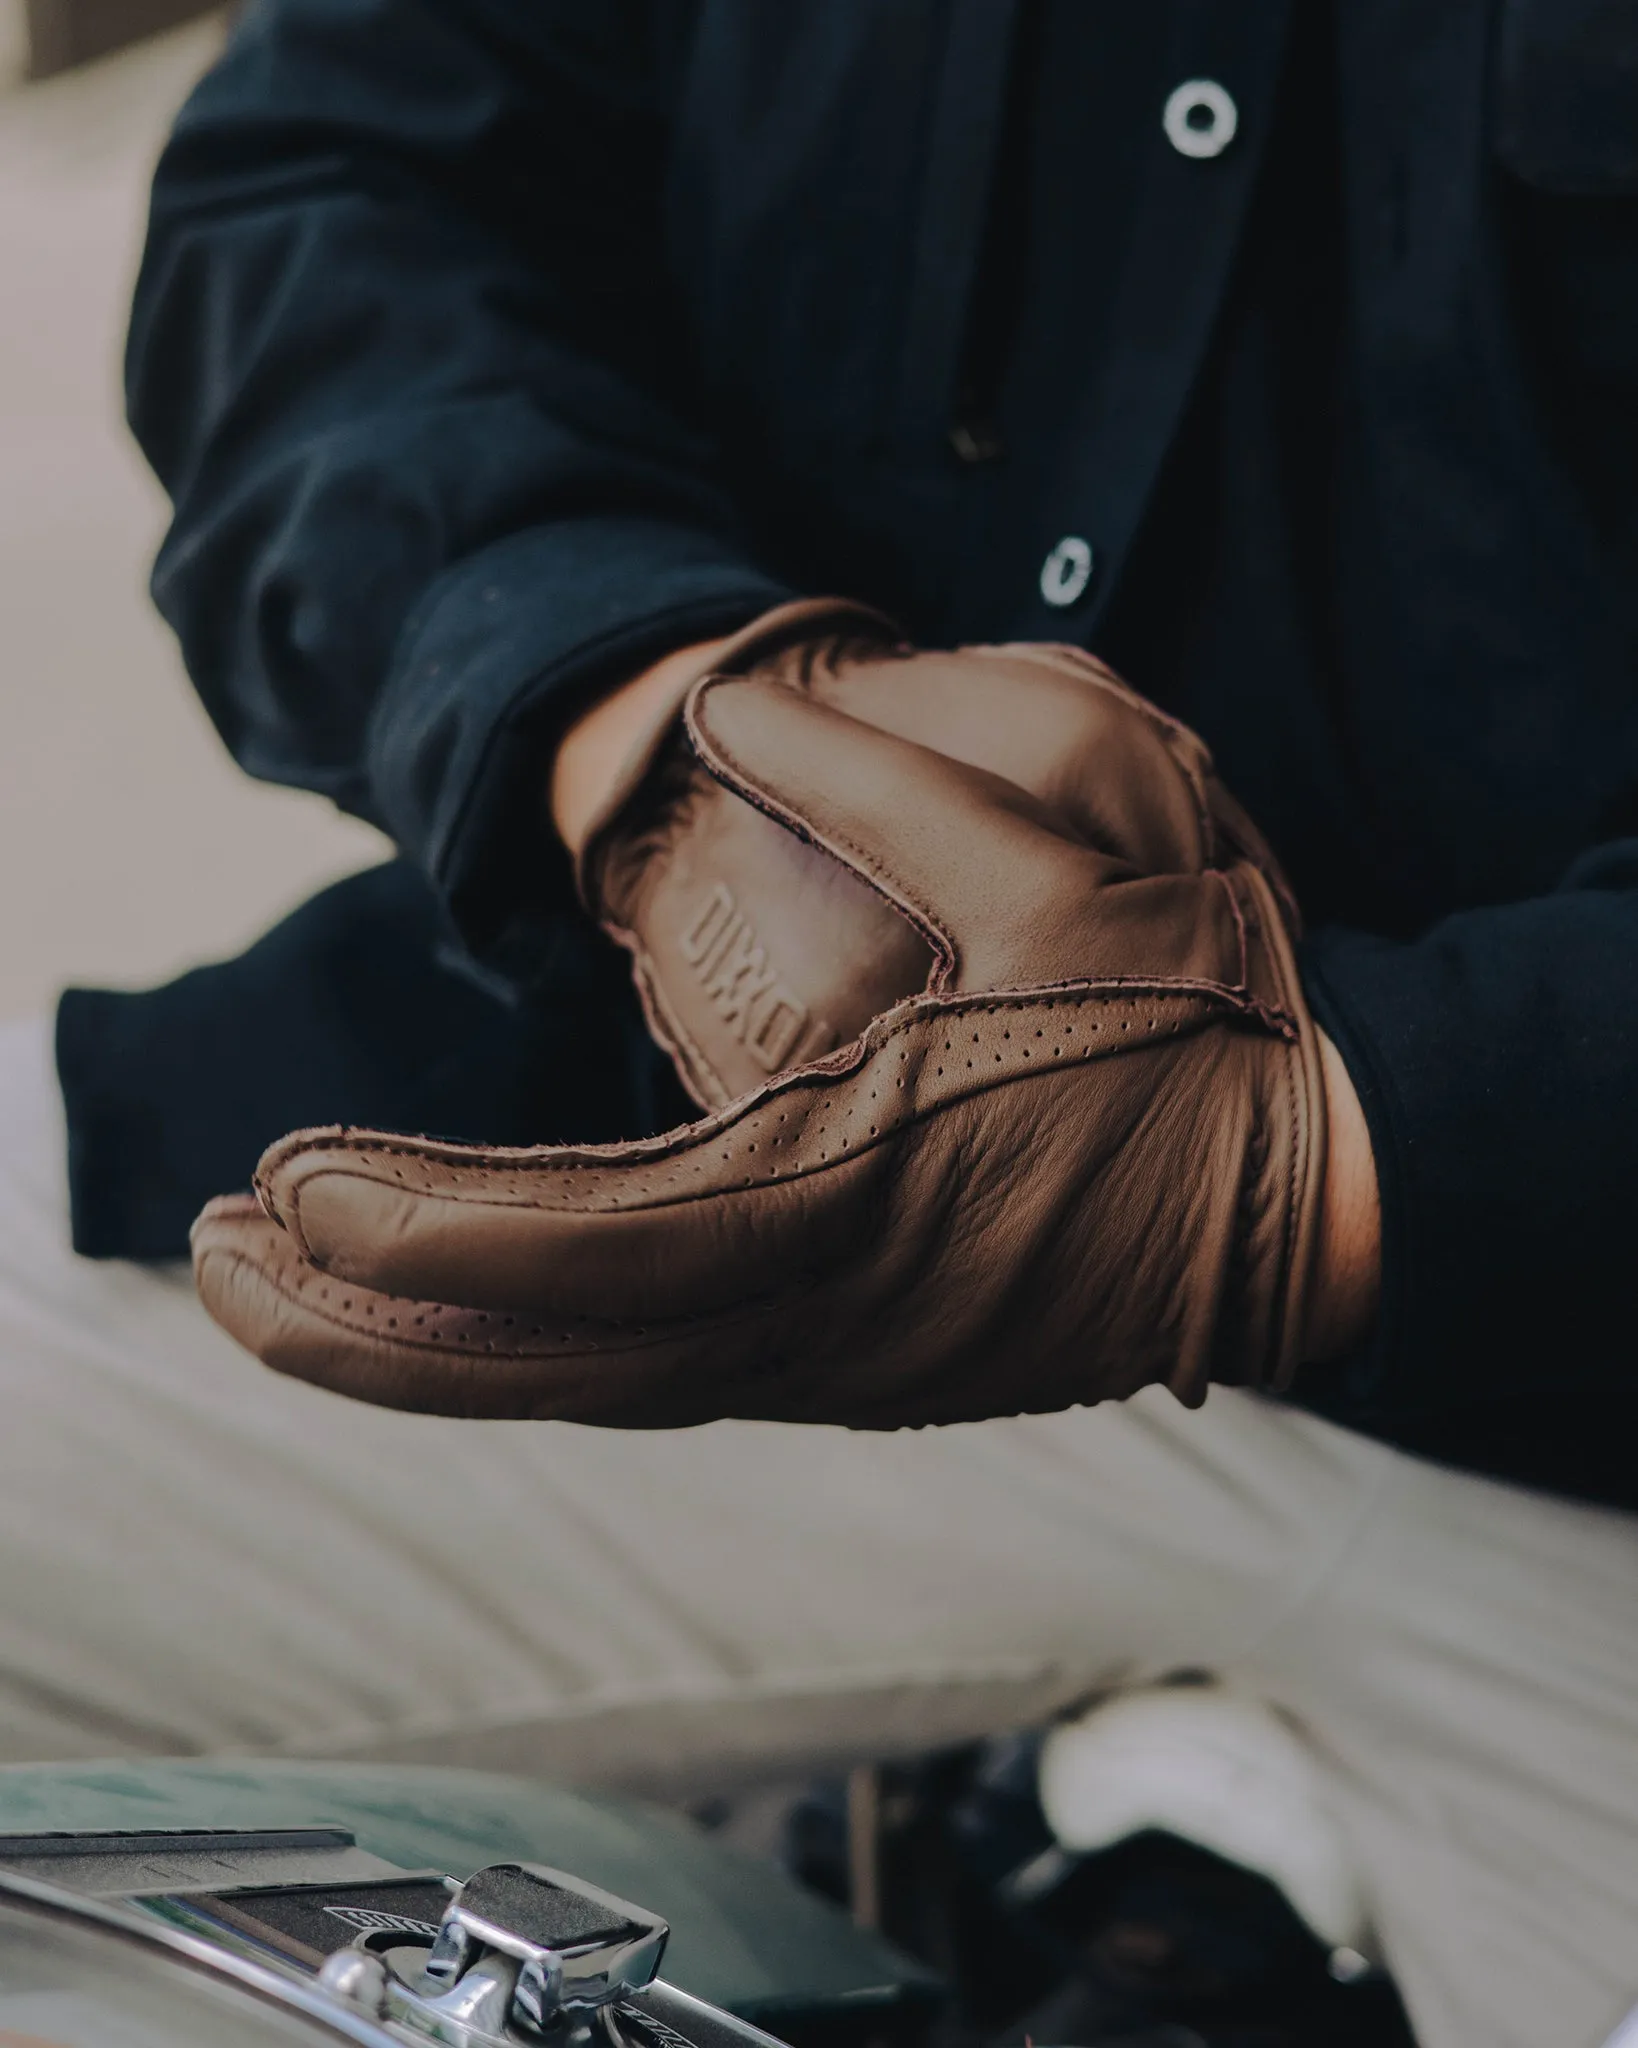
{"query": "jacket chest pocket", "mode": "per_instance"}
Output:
(829, 175)
(793, 191)
(1566, 95)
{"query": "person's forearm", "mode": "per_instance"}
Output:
(435, 411)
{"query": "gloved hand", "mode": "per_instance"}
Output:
(1087, 1157)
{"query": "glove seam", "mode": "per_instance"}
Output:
(646, 1335)
(539, 1165)
(665, 1027)
(719, 760)
(1276, 1367)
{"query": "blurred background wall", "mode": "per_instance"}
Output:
(130, 846)
(55, 34)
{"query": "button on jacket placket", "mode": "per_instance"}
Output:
(1066, 572)
(1200, 118)
(1180, 254)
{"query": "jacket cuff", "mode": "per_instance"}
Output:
(497, 657)
(1492, 1061)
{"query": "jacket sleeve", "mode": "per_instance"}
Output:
(1495, 1057)
(403, 356)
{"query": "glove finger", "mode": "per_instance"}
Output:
(1119, 773)
(304, 1323)
(969, 858)
(689, 1228)
(752, 1205)
(432, 1358)
(972, 860)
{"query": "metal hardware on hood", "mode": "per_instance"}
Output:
(523, 1951)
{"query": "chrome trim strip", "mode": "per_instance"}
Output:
(292, 1993)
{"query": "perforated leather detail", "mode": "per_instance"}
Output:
(395, 1321)
(899, 1072)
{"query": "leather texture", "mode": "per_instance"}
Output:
(751, 950)
(1086, 1155)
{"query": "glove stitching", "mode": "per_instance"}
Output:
(720, 763)
(647, 1335)
(1278, 1375)
(1237, 912)
(719, 760)
(1045, 996)
(665, 1027)
(692, 1138)
(1283, 1337)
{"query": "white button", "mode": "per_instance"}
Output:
(1066, 571)
(1200, 118)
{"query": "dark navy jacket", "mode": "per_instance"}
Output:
(488, 348)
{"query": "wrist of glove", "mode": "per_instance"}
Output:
(1016, 1101)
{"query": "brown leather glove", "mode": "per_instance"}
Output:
(1087, 1157)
